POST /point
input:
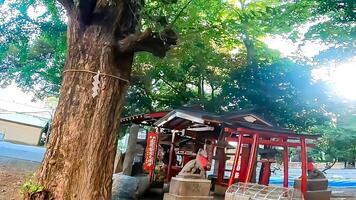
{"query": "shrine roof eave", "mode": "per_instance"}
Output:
(200, 117)
(268, 131)
(145, 119)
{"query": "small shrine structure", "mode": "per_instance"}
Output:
(181, 132)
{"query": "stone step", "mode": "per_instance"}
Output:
(168, 196)
(319, 195)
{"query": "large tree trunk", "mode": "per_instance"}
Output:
(80, 156)
(101, 36)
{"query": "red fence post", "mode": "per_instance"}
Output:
(251, 162)
(236, 160)
(285, 164)
(303, 155)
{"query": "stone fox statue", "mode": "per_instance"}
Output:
(196, 166)
(313, 172)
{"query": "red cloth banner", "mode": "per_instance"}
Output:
(152, 140)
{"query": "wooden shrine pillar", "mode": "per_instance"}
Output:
(220, 157)
(285, 164)
(245, 154)
(171, 153)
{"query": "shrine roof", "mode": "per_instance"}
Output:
(198, 121)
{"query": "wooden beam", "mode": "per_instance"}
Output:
(246, 140)
(277, 135)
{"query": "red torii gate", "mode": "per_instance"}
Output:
(258, 137)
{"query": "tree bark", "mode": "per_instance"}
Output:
(131, 149)
(250, 49)
(80, 156)
(79, 161)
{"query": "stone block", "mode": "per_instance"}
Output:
(189, 187)
(124, 187)
(187, 176)
(319, 195)
(313, 184)
(168, 196)
(229, 196)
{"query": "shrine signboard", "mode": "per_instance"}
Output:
(152, 138)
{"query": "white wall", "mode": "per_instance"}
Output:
(20, 133)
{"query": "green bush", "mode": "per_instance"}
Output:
(30, 187)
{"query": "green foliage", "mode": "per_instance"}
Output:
(31, 187)
(32, 49)
(337, 143)
(332, 24)
(220, 61)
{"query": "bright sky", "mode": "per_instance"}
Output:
(13, 99)
(341, 78)
(290, 49)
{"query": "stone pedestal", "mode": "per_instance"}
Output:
(182, 188)
(313, 184)
(317, 189)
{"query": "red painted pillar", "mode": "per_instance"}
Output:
(245, 153)
(285, 164)
(303, 155)
(251, 161)
(266, 173)
(236, 161)
(169, 170)
(222, 162)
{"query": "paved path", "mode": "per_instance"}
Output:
(23, 152)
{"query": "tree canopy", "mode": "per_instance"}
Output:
(221, 60)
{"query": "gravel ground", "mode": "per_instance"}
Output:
(13, 173)
(343, 193)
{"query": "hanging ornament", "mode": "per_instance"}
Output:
(96, 83)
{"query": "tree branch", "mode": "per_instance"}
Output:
(170, 85)
(86, 8)
(67, 4)
(156, 43)
(180, 12)
(329, 166)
